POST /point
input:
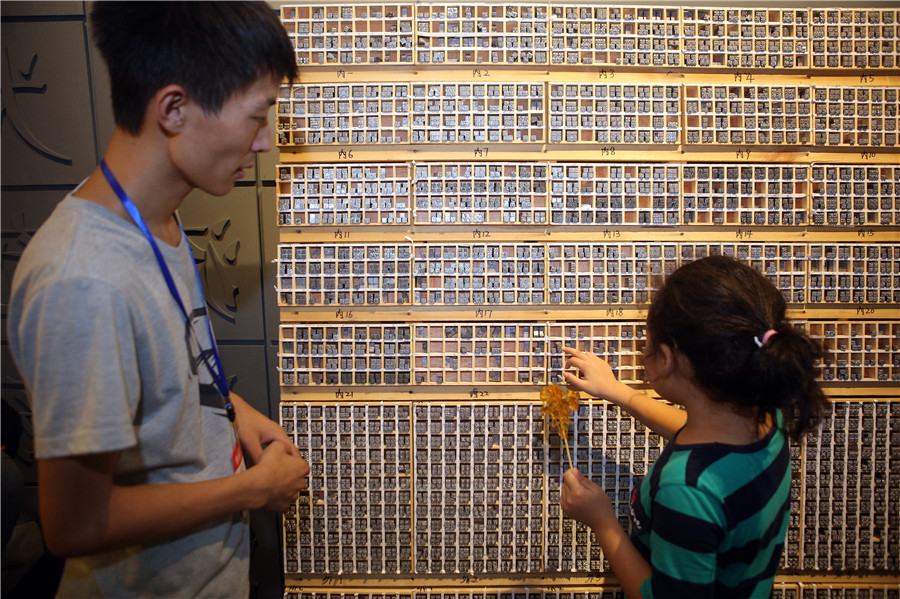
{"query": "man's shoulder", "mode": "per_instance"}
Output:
(78, 237)
(75, 229)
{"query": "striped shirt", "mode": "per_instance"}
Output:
(711, 518)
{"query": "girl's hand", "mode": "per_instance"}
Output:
(597, 378)
(587, 503)
(584, 501)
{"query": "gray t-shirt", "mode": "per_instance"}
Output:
(111, 365)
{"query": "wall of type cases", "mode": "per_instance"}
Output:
(464, 188)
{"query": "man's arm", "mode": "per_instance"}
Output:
(84, 512)
(256, 431)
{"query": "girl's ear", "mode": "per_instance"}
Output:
(668, 361)
(169, 106)
(682, 365)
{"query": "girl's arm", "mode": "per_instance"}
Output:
(587, 503)
(597, 379)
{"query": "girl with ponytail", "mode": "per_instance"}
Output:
(709, 519)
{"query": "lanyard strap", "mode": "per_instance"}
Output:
(215, 369)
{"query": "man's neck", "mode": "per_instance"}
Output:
(148, 179)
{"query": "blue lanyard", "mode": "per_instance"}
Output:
(216, 370)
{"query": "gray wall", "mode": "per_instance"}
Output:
(56, 122)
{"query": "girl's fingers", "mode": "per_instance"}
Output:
(574, 476)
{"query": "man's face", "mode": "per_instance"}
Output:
(215, 150)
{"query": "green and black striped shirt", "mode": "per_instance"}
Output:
(711, 518)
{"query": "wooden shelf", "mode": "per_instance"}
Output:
(466, 187)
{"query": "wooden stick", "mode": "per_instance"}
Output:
(568, 451)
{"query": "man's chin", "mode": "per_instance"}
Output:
(219, 190)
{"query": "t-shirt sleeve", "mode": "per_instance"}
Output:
(75, 348)
(685, 535)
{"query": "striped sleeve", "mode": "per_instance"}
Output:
(688, 527)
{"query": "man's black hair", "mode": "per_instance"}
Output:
(212, 49)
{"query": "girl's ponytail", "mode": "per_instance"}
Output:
(786, 375)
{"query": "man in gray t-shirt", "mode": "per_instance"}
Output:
(140, 444)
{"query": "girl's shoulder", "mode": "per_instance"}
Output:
(723, 468)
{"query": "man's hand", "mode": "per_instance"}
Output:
(283, 476)
(256, 431)
(280, 469)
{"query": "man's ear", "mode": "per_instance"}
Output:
(169, 107)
